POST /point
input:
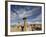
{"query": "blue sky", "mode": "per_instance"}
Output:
(33, 13)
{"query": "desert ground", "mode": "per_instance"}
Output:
(31, 27)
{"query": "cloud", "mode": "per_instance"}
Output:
(12, 15)
(38, 18)
(34, 22)
(14, 23)
(28, 13)
(21, 13)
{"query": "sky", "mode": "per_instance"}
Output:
(32, 13)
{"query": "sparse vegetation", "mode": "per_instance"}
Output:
(31, 27)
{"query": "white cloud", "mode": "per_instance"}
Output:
(34, 22)
(14, 23)
(27, 13)
(13, 15)
(22, 13)
(38, 18)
